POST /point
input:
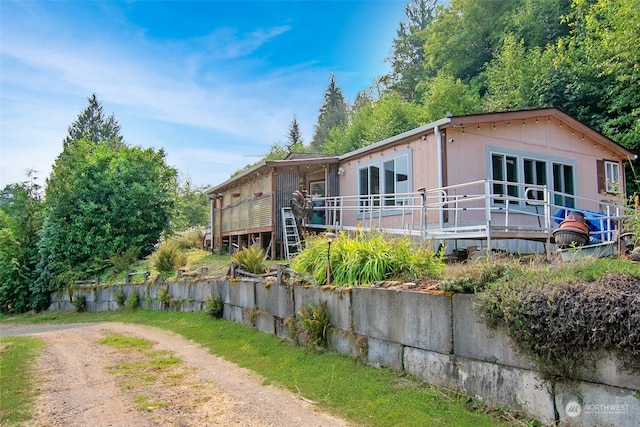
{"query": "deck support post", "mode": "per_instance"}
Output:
(487, 210)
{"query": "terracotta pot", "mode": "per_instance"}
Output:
(576, 224)
(572, 232)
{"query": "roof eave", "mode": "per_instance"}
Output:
(396, 138)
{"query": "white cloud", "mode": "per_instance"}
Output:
(220, 89)
(131, 83)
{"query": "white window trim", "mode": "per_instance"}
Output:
(379, 162)
(520, 158)
(613, 184)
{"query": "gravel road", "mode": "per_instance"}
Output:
(77, 387)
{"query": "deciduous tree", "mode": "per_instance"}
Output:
(20, 206)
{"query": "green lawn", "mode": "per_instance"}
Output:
(17, 378)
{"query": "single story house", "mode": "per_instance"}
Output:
(494, 179)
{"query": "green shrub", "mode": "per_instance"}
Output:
(80, 303)
(121, 261)
(191, 238)
(165, 297)
(132, 301)
(365, 258)
(120, 299)
(251, 259)
(169, 257)
(314, 325)
(475, 276)
(214, 306)
(563, 325)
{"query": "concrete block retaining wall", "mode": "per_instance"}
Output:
(439, 339)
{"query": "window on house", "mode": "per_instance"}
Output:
(563, 183)
(535, 173)
(609, 177)
(394, 179)
(612, 177)
(505, 171)
(512, 173)
(369, 185)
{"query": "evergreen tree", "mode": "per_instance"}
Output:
(363, 98)
(407, 58)
(332, 114)
(375, 121)
(294, 139)
(93, 126)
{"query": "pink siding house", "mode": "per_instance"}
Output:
(494, 181)
(501, 177)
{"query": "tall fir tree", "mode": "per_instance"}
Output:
(333, 113)
(407, 57)
(93, 126)
(294, 137)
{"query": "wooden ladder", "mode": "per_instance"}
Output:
(292, 244)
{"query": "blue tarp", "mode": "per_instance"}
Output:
(600, 226)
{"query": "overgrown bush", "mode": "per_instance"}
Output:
(120, 298)
(191, 238)
(132, 301)
(123, 260)
(251, 259)
(313, 324)
(168, 257)
(475, 276)
(364, 258)
(214, 306)
(80, 303)
(165, 297)
(563, 326)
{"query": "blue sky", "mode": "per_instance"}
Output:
(213, 83)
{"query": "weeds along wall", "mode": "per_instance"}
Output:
(440, 339)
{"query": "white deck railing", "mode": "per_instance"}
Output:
(483, 209)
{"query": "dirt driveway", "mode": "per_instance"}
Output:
(79, 388)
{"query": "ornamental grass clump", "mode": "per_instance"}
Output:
(314, 325)
(169, 257)
(191, 238)
(363, 258)
(252, 259)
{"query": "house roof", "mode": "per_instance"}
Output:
(474, 119)
(396, 138)
(299, 159)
